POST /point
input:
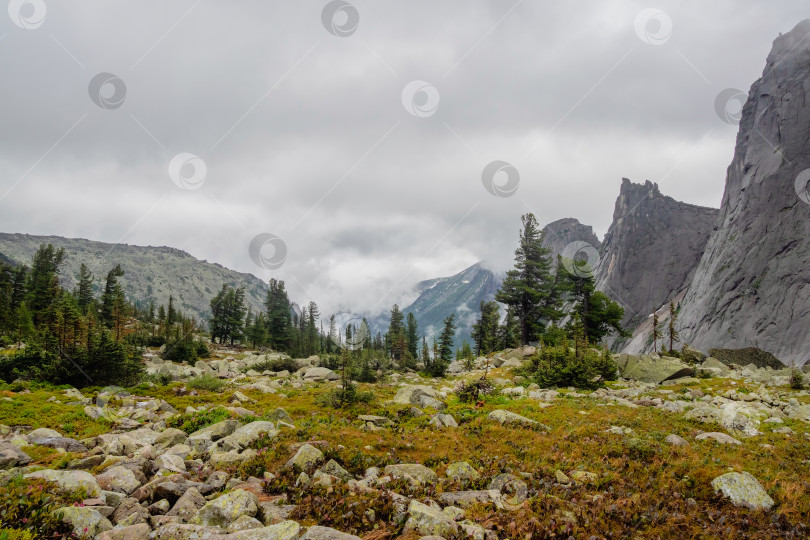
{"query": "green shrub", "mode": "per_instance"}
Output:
(344, 396)
(206, 382)
(198, 420)
(202, 349)
(16, 534)
(561, 367)
(183, 350)
(276, 364)
(469, 392)
(29, 504)
(796, 379)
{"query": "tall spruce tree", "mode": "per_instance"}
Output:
(84, 290)
(485, 329)
(412, 333)
(278, 316)
(110, 296)
(528, 287)
(673, 320)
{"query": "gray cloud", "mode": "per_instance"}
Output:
(304, 134)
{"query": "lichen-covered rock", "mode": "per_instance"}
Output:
(43, 433)
(419, 395)
(118, 479)
(317, 532)
(86, 522)
(320, 374)
(244, 523)
(507, 417)
(286, 530)
(462, 471)
(305, 459)
(426, 520)
(333, 468)
(224, 510)
(168, 438)
(652, 370)
(132, 532)
(415, 472)
(70, 481)
(188, 504)
(185, 531)
(743, 490)
(722, 438)
(245, 435)
(440, 420)
(130, 512)
(12, 456)
(65, 443)
(171, 462)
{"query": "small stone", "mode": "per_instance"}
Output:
(561, 477)
(317, 532)
(415, 472)
(675, 440)
(722, 438)
(307, 458)
(461, 471)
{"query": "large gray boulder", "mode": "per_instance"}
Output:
(305, 459)
(745, 356)
(247, 434)
(12, 456)
(645, 368)
(427, 520)
(415, 472)
(225, 509)
(743, 490)
(320, 374)
(420, 395)
(69, 481)
(86, 522)
(317, 532)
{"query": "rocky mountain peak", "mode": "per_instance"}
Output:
(651, 248)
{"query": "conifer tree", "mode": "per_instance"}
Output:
(528, 288)
(656, 333)
(110, 295)
(673, 333)
(84, 291)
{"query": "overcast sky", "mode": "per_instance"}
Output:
(307, 124)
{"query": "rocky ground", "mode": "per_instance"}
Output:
(658, 453)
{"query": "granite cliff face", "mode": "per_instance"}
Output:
(751, 287)
(563, 232)
(651, 249)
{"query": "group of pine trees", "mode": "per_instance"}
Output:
(538, 300)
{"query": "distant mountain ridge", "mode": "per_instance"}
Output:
(150, 273)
